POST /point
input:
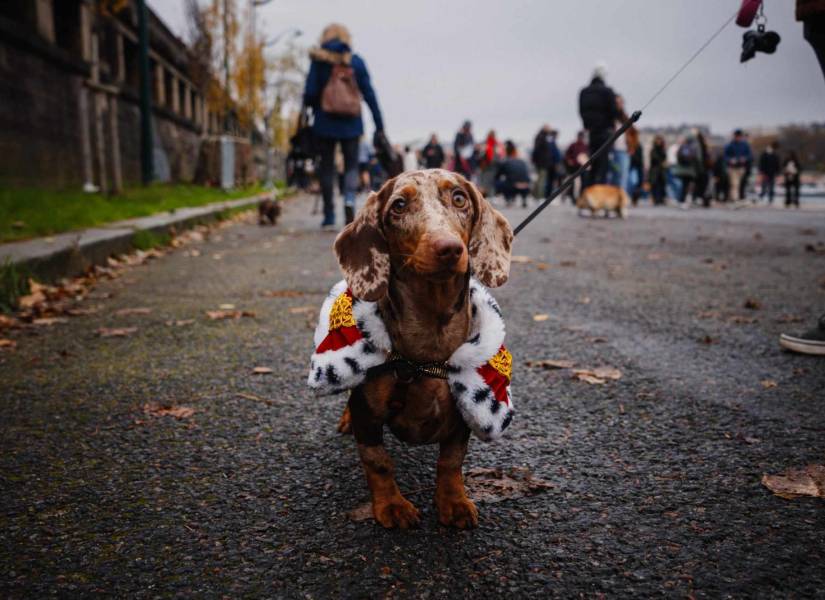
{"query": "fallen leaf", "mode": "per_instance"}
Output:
(218, 315)
(768, 383)
(752, 304)
(81, 312)
(282, 294)
(793, 483)
(8, 322)
(249, 396)
(106, 332)
(261, 371)
(227, 307)
(788, 319)
(302, 309)
(520, 259)
(585, 299)
(819, 248)
(597, 376)
(742, 320)
(541, 317)
(8, 344)
(542, 266)
(567, 263)
(179, 322)
(494, 485)
(178, 412)
(709, 314)
(361, 513)
(551, 364)
(48, 321)
(708, 340)
(125, 312)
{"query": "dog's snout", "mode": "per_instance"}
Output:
(448, 250)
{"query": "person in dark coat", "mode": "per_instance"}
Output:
(657, 174)
(792, 171)
(464, 150)
(574, 157)
(546, 157)
(599, 112)
(330, 129)
(769, 168)
(513, 176)
(433, 154)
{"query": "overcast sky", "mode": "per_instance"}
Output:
(513, 65)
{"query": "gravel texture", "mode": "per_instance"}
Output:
(656, 476)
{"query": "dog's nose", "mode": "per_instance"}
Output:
(448, 250)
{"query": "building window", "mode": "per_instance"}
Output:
(67, 27)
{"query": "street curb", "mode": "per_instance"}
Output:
(72, 253)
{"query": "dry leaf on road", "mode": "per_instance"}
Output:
(541, 317)
(8, 322)
(179, 322)
(520, 259)
(106, 332)
(597, 376)
(178, 412)
(8, 344)
(551, 364)
(261, 371)
(125, 312)
(48, 321)
(752, 304)
(793, 483)
(495, 485)
(768, 383)
(219, 315)
(227, 306)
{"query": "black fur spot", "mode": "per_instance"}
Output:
(495, 405)
(494, 306)
(332, 375)
(459, 388)
(362, 329)
(487, 430)
(353, 364)
(480, 395)
(507, 418)
(475, 339)
(319, 372)
(472, 291)
(368, 348)
(474, 310)
(452, 369)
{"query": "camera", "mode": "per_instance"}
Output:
(759, 41)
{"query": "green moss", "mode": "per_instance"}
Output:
(14, 283)
(146, 240)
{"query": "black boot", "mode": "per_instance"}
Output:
(349, 214)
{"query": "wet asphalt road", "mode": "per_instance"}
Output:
(656, 477)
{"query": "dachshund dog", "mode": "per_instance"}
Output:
(268, 210)
(604, 197)
(411, 250)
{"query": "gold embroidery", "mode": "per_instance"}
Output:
(503, 362)
(341, 313)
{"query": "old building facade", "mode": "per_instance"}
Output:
(69, 89)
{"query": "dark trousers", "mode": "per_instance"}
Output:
(687, 187)
(601, 166)
(768, 186)
(792, 191)
(349, 148)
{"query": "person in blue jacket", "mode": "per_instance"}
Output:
(330, 129)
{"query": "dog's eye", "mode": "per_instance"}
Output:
(459, 199)
(398, 206)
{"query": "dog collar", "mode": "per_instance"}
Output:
(351, 340)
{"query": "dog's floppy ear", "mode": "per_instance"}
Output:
(362, 249)
(490, 242)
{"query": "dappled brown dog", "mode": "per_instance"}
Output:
(268, 211)
(411, 250)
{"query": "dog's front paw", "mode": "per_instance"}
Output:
(457, 511)
(396, 511)
(345, 422)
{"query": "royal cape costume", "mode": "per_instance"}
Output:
(351, 338)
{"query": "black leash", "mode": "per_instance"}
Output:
(571, 178)
(625, 126)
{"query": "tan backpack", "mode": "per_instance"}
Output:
(341, 96)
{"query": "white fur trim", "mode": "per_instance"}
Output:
(334, 371)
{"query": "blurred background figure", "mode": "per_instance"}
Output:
(620, 170)
(331, 127)
(410, 159)
(488, 164)
(737, 157)
(433, 154)
(769, 169)
(545, 158)
(574, 157)
(685, 170)
(657, 175)
(464, 150)
(599, 112)
(704, 166)
(513, 176)
(792, 170)
(365, 154)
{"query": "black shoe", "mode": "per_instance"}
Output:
(349, 215)
(810, 342)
